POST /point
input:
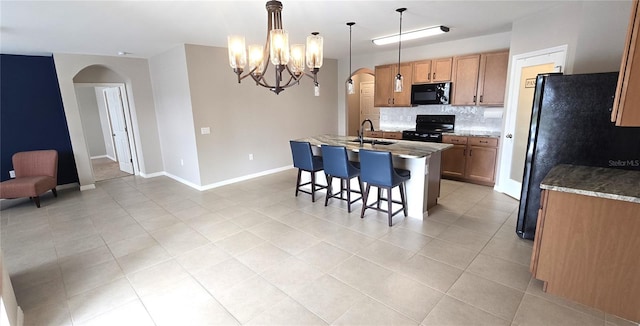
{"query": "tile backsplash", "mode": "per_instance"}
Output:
(468, 118)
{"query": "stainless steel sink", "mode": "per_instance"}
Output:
(372, 141)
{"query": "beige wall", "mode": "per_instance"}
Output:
(353, 100)
(246, 119)
(90, 116)
(140, 97)
(174, 113)
(594, 31)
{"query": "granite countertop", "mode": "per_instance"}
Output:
(401, 148)
(593, 181)
(474, 133)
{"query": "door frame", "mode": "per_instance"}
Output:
(127, 117)
(503, 183)
(346, 97)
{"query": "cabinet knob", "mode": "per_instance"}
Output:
(481, 97)
(474, 98)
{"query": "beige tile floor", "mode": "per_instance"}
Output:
(104, 169)
(154, 252)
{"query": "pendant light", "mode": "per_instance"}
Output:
(398, 81)
(350, 88)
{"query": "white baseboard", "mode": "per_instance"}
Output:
(217, 184)
(99, 156)
(88, 187)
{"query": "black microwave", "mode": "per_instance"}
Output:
(425, 94)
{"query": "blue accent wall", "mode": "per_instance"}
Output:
(31, 113)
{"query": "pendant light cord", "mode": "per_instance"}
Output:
(400, 10)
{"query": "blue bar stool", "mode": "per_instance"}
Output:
(337, 164)
(304, 160)
(376, 169)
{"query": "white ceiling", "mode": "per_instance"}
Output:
(147, 28)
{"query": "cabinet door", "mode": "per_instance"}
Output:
(465, 79)
(441, 70)
(384, 85)
(453, 161)
(626, 106)
(403, 98)
(421, 72)
(493, 78)
(481, 163)
(392, 135)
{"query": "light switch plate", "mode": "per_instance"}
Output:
(12, 174)
(205, 130)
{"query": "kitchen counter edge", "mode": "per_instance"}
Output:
(616, 184)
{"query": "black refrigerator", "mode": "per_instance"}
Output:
(570, 124)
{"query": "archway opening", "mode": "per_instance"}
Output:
(360, 104)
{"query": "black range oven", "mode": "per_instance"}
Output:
(430, 127)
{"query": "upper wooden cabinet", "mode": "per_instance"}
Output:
(480, 79)
(626, 106)
(492, 81)
(385, 78)
(432, 71)
(465, 79)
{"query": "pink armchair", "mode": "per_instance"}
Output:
(36, 173)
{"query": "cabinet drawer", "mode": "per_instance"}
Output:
(392, 135)
(483, 141)
(454, 139)
(374, 134)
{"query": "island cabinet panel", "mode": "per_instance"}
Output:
(586, 249)
(384, 85)
(373, 134)
(626, 106)
(465, 79)
(432, 71)
(471, 159)
(492, 81)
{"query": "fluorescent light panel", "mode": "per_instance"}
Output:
(426, 32)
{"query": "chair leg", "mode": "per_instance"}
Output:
(348, 195)
(36, 200)
(379, 196)
(365, 196)
(403, 199)
(389, 203)
(55, 192)
(298, 182)
(329, 181)
(313, 187)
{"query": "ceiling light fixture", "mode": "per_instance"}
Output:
(350, 88)
(398, 82)
(425, 32)
(277, 51)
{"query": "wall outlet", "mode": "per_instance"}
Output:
(250, 157)
(205, 130)
(181, 162)
(12, 174)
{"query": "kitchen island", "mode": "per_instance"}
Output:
(421, 158)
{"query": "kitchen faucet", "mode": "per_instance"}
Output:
(361, 132)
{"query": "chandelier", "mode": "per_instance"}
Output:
(288, 62)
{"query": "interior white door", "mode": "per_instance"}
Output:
(119, 128)
(367, 109)
(518, 114)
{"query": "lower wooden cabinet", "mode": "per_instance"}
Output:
(384, 134)
(471, 159)
(586, 249)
